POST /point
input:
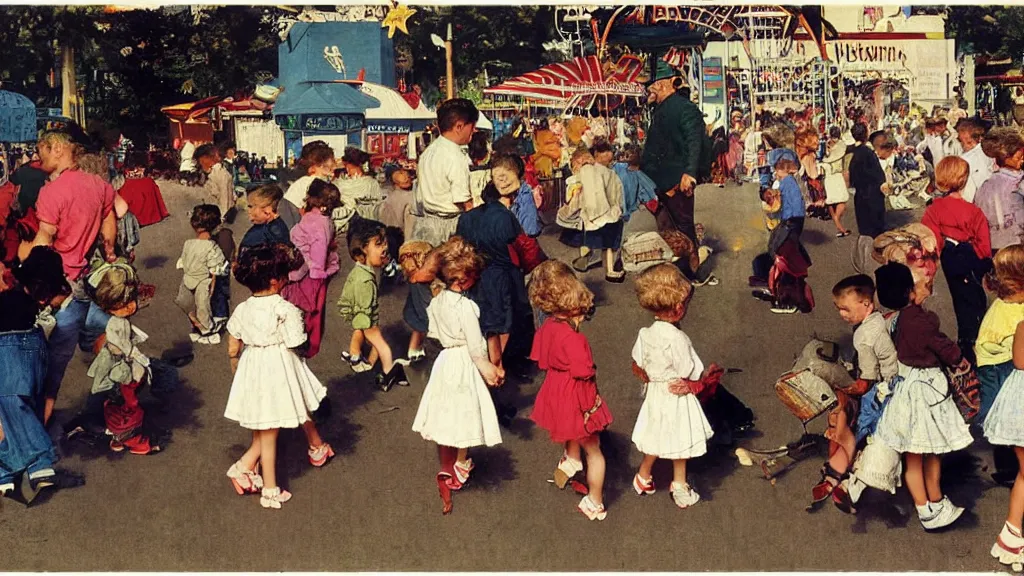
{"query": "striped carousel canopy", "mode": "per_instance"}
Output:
(581, 76)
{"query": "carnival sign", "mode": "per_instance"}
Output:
(333, 57)
(322, 123)
(714, 81)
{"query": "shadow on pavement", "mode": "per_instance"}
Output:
(493, 466)
(155, 262)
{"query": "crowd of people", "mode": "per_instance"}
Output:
(462, 233)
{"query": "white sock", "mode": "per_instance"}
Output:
(925, 511)
(1010, 536)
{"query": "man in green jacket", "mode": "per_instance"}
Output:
(673, 151)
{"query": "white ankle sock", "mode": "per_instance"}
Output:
(1011, 536)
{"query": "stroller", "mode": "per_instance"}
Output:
(808, 391)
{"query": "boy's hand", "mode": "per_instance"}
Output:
(680, 388)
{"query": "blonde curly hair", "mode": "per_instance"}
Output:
(412, 255)
(661, 288)
(555, 290)
(117, 289)
(1009, 264)
(459, 261)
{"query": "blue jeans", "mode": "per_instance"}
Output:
(81, 322)
(26, 447)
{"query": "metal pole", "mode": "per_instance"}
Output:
(450, 74)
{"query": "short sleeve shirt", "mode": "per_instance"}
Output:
(76, 203)
(443, 177)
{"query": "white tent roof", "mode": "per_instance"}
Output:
(392, 105)
(483, 123)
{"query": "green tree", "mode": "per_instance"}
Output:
(993, 30)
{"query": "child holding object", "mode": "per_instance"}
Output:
(202, 262)
(671, 423)
(568, 404)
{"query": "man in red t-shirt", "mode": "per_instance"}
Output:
(74, 209)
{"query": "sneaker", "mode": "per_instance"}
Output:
(944, 514)
(567, 468)
(194, 336)
(274, 497)
(462, 470)
(6, 489)
(711, 280)
(591, 510)
(397, 375)
(211, 339)
(416, 355)
(783, 309)
(244, 481)
(384, 383)
(319, 455)
(116, 446)
(684, 496)
(642, 486)
(1009, 547)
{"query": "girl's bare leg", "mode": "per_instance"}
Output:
(251, 458)
(416, 341)
(838, 217)
(312, 434)
(679, 471)
(376, 339)
(595, 469)
(1016, 515)
(461, 455)
(841, 459)
(268, 455)
(645, 466)
(355, 345)
(915, 479)
(572, 450)
(932, 475)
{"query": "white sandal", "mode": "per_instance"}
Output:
(274, 497)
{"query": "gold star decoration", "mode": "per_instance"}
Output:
(396, 18)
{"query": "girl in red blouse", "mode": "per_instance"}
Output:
(568, 405)
(965, 248)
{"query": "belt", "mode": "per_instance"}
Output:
(442, 216)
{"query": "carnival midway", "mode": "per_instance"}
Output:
(533, 288)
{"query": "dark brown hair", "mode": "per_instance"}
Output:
(258, 265)
(1001, 144)
(454, 111)
(861, 284)
(355, 157)
(271, 193)
(322, 195)
(360, 232)
(313, 154)
(205, 218)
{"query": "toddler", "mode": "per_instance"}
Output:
(368, 246)
(1003, 389)
(220, 299)
(314, 237)
(273, 388)
(267, 226)
(120, 368)
(456, 411)
(671, 423)
(568, 404)
(876, 364)
(921, 421)
(202, 262)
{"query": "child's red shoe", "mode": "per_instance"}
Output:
(446, 493)
(321, 454)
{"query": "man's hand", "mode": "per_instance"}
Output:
(687, 184)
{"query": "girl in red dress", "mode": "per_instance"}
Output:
(568, 405)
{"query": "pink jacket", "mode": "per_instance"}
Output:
(313, 236)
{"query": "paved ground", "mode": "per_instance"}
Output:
(375, 507)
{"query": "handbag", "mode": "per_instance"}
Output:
(806, 395)
(965, 388)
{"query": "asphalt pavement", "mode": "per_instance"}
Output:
(375, 506)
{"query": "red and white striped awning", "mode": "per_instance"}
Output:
(581, 76)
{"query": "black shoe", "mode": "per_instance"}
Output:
(398, 376)
(1004, 478)
(383, 382)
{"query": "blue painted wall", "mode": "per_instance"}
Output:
(363, 45)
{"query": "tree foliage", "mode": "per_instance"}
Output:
(994, 30)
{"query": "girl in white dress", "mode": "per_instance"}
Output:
(456, 410)
(671, 423)
(272, 388)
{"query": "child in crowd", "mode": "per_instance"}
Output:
(316, 163)
(360, 192)
(994, 348)
(479, 167)
(27, 452)
(267, 226)
(314, 237)
(507, 175)
(220, 299)
(921, 420)
(600, 226)
(399, 208)
(671, 423)
(637, 188)
(1000, 196)
(771, 204)
(456, 411)
(876, 364)
(793, 211)
(965, 249)
(412, 256)
(368, 246)
(202, 262)
(568, 404)
(1004, 379)
(603, 153)
(120, 368)
(273, 388)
